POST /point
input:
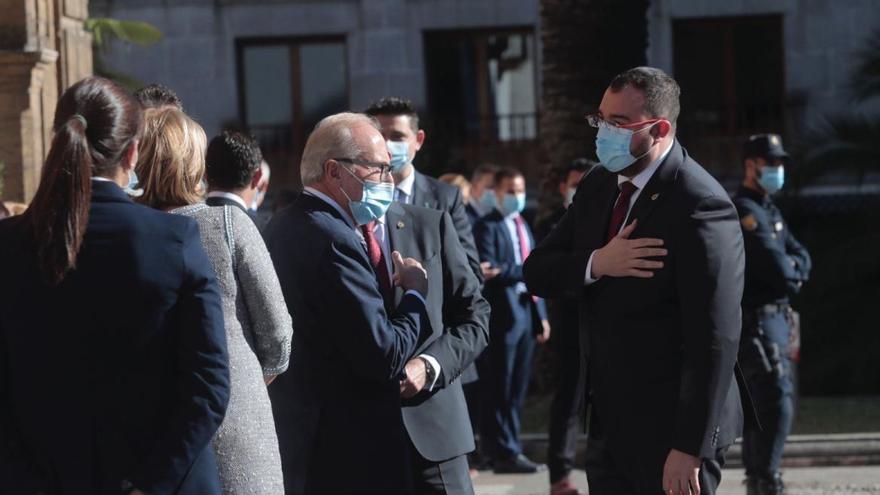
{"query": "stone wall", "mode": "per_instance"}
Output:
(32, 34)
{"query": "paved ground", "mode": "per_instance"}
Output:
(799, 481)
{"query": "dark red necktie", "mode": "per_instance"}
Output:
(377, 259)
(621, 208)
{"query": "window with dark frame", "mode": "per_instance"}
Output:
(285, 87)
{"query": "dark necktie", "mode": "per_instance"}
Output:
(377, 260)
(621, 208)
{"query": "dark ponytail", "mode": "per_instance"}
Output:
(95, 122)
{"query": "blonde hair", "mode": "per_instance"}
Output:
(460, 182)
(332, 138)
(171, 159)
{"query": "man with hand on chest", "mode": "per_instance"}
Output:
(652, 248)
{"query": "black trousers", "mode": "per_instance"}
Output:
(637, 474)
(450, 477)
(569, 402)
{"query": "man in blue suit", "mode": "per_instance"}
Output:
(505, 241)
(338, 409)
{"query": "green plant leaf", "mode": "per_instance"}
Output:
(104, 31)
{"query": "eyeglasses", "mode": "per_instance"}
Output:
(383, 169)
(596, 121)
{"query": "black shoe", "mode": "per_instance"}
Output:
(518, 465)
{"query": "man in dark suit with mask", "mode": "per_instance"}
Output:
(505, 240)
(652, 248)
(234, 172)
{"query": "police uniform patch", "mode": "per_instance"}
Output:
(749, 222)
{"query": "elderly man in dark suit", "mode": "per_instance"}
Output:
(652, 248)
(338, 410)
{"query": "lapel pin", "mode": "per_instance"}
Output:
(400, 224)
(655, 196)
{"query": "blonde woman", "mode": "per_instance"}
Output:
(171, 166)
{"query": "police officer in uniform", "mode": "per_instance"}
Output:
(777, 265)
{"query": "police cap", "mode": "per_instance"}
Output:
(764, 146)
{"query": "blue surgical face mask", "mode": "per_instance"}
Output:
(487, 200)
(772, 178)
(612, 147)
(255, 203)
(131, 189)
(513, 203)
(375, 200)
(399, 154)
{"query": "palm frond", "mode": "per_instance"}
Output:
(846, 143)
(104, 31)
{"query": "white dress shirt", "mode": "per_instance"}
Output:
(403, 190)
(640, 181)
(380, 230)
(228, 195)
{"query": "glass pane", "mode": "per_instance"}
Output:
(323, 79)
(267, 85)
(511, 68)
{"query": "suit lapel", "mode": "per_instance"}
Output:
(421, 193)
(655, 190)
(603, 198)
(396, 222)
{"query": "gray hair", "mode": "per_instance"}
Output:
(331, 138)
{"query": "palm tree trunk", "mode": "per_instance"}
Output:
(585, 44)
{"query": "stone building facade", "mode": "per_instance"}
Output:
(43, 49)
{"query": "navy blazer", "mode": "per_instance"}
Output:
(496, 247)
(121, 371)
(337, 409)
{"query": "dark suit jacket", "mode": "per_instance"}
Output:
(121, 371)
(662, 350)
(429, 192)
(220, 201)
(337, 409)
(496, 247)
(437, 421)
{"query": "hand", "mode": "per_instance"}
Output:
(269, 378)
(544, 336)
(416, 378)
(681, 474)
(625, 257)
(488, 271)
(409, 274)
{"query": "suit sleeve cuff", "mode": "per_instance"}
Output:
(588, 274)
(418, 296)
(434, 364)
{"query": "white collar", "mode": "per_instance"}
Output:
(406, 185)
(103, 179)
(641, 180)
(330, 201)
(228, 195)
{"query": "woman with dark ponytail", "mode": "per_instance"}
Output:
(113, 363)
